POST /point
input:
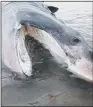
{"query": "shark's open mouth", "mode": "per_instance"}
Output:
(56, 51)
(45, 39)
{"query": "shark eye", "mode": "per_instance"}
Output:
(75, 40)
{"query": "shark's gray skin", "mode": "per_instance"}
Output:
(65, 44)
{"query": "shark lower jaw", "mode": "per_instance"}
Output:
(24, 60)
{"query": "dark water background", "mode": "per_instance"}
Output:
(52, 85)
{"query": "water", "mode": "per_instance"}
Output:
(52, 85)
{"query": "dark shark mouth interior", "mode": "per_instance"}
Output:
(40, 56)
